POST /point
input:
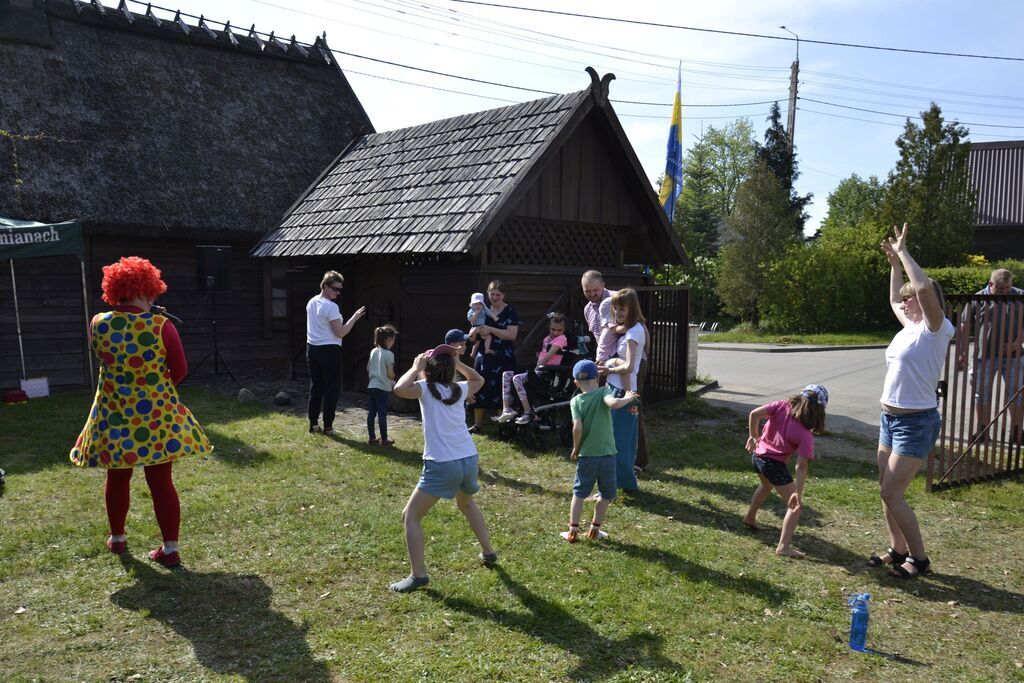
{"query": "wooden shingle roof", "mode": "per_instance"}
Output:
(160, 127)
(425, 189)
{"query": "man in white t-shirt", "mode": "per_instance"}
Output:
(325, 328)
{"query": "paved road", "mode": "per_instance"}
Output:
(748, 379)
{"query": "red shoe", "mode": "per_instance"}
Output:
(166, 559)
(117, 547)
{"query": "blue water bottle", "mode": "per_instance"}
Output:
(858, 603)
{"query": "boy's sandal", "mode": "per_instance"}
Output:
(921, 564)
(895, 558)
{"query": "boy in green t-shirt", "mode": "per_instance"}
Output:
(593, 447)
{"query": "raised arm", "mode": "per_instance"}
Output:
(895, 282)
(474, 378)
(341, 330)
(406, 386)
(926, 296)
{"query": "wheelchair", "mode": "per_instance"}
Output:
(550, 388)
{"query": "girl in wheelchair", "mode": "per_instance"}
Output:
(550, 354)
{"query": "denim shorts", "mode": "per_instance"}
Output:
(591, 469)
(983, 375)
(910, 434)
(775, 471)
(445, 479)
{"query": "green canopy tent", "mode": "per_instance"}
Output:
(28, 239)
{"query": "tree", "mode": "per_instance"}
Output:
(930, 189)
(780, 158)
(760, 230)
(732, 155)
(854, 201)
(696, 220)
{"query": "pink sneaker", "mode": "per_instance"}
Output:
(169, 560)
(117, 547)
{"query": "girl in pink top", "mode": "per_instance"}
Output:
(789, 429)
(550, 354)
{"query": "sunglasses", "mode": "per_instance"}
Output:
(337, 290)
(906, 298)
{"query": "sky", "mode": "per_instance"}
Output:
(738, 75)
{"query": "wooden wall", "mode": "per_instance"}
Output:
(583, 184)
(53, 321)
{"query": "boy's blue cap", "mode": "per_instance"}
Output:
(454, 336)
(584, 369)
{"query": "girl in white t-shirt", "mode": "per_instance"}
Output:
(622, 375)
(449, 454)
(909, 421)
(381, 371)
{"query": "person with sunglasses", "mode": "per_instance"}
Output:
(325, 328)
(909, 419)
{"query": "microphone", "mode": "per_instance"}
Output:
(163, 311)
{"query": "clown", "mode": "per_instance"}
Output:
(137, 419)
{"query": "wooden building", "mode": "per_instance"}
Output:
(157, 134)
(997, 175)
(532, 195)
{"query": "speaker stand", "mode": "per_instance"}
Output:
(218, 360)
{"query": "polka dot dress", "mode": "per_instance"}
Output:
(136, 418)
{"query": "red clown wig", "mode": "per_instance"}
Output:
(130, 278)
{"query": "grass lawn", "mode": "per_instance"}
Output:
(290, 541)
(745, 336)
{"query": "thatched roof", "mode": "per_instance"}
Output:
(447, 186)
(134, 126)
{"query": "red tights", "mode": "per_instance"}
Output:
(117, 494)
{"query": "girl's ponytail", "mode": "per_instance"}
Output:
(441, 370)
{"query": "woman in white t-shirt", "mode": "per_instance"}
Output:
(325, 329)
(449, 454)
(909, 421)
(623, 376)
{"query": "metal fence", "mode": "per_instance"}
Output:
(981, 393)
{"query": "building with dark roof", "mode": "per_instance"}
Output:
(158, 134)
(997, 175)
(531, 194)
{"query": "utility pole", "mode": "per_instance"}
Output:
(793, 80)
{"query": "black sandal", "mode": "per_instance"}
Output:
(895, 558)
(922, 564)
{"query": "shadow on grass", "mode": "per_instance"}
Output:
(234, 451)
(597, 657)
(228, 620)
(495, 479)
(402, 456)
(698, 573)
(938, 587)
(711, 516)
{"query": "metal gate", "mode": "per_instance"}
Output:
(667, 308)
(981, 393)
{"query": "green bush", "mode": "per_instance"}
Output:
(969, 279)
(837, 283)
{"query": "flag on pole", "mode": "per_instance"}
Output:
(672, 183)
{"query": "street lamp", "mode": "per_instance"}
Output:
(797, 41)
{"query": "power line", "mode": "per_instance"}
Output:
(903, 116)
(742, 34)
(972, 134)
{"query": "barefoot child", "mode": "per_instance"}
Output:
(478, 315)
(381, 368)
(550, 354)
(449, 454)
(790, 429)
(593, 447)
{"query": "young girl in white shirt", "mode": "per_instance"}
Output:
(449, 455)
